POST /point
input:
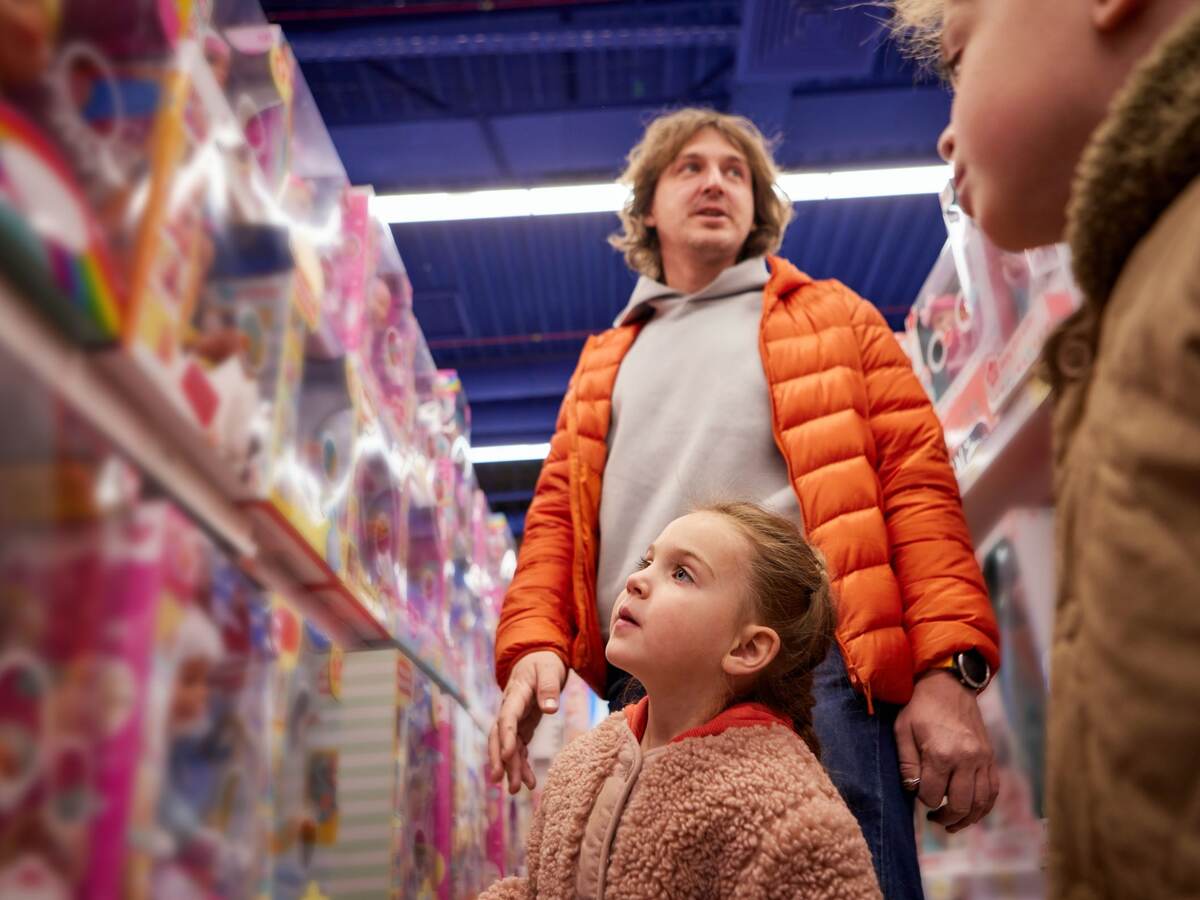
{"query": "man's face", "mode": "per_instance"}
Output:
(703, 205)
(1029, 88)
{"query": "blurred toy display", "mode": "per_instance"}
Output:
(974, 337)
(978, 325)
(1001, 857)
(168, 726)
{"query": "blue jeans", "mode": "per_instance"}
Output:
(859, 751)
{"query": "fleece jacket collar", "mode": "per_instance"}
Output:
(742, 715)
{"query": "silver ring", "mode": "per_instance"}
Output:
(910, 784)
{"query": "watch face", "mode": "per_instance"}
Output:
(974, 667)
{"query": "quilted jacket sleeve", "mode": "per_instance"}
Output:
(537, 612)
(946, 608)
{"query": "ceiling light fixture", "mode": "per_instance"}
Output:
(507, 453)
(398, 209)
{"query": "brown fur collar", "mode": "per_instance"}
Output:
(1140, 159)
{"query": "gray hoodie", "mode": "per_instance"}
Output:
(691, 418)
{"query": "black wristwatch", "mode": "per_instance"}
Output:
(971, 668)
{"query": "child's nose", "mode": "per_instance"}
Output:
(945, 144)
(637, 585)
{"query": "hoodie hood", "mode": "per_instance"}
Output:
(650, 296)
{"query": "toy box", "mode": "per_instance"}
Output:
(423, 847)
(391, 339)
(377, 528)
(77, 613)
(202, 821)
(51, 246)
(979, 324)
(469, 856)
(304, 775)
(429, 575)
(260, 83)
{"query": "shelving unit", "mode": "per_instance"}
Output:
(278, 560)
(1011, 467)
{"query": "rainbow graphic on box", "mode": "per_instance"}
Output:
(50, 244)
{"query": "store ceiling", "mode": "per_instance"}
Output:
(451, 95)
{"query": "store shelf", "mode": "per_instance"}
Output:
(268, 548)
(1012, 466)
(177, 465)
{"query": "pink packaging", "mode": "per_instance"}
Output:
(422, 855)
(427, 586)
(978, 327)
(443, 780)
(78, 607)
(495, 839)
(348, 266)
(200, 828)
(392, 337)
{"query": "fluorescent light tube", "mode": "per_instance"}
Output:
(507, 453)
(398, 209)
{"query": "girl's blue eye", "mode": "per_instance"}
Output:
(681, 574)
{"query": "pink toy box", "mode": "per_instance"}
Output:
(978, 326)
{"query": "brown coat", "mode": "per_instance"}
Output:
(738, 808)
(1124, 730)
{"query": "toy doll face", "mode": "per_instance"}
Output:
(943, 321)
(26, 32)
(190, 701)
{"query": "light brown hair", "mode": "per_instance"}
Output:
(918, 26)
(789, 592)
(664, 138)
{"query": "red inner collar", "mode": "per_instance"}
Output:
(741, 715)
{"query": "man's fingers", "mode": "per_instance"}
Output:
(983, 797)
(513, 770)
(960, 799)
(512, 710)
(909, 755)
(935, 778)
(527, 775)
(495, 769)
(993, 786)
(548, 687)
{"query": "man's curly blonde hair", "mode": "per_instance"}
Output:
(664, 138)
(918, 26)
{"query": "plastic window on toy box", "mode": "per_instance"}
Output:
(212, 678)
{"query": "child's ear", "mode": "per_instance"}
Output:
(1108, 15)
(755, 647)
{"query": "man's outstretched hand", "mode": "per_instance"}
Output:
(533, 689)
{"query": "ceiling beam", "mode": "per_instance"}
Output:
(395, 43)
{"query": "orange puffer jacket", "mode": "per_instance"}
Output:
(866, 456)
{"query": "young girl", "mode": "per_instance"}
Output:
(710, 786)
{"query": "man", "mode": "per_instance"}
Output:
(1081, 121)
(731, 375)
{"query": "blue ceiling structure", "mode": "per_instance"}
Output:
(443, 95)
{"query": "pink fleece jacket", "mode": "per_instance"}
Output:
(738, 808)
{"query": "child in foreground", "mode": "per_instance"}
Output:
(1081, 121)
(710, 786)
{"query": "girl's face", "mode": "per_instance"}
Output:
(683, 605)
(1031, 81)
